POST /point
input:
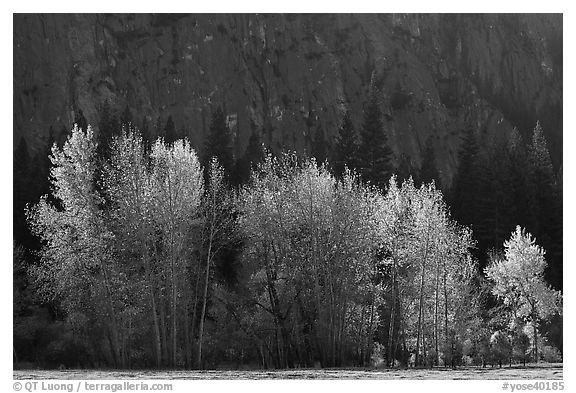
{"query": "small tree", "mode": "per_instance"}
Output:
(253, 156)
(519, 282)
(81, 121)
(319, 149)
(374, 153)
(466, 181)
(219, 143)
(521, 346)
(429, 170)
(170, 130)
(500, 347)
(346, 147)
(484, 354)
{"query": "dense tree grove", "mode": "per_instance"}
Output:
(149, 256)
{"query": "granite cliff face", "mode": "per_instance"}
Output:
(286, 75)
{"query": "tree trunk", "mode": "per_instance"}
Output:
(390, 352)
(204, 301)
(156, 330)
(445, 309)
(421, 302)
(369, 336)
(174, 318)
(194, 311)
(157, 347)
(163, 330)
(420, 309)
(113, 322)
(436, 295)
(535, 340)
(187, 342)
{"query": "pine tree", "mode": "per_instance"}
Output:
(346, 148)
(318, 150)
(219, 142)
(521, 211)
(126, 119)
(428, 168)
(80, 120)
(493, 220)
(466, 181)
(21, 191)
(405, 169)
(253, 156)
(547, 201)
(108, 126)
(543, 179)
(42, 175)
(170, 131)
(374, 153)
(158, 130)
(145, 131)
(48, 150)
(21, 160)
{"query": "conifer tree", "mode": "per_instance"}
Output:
(108, 126)
(255, 150)
(346, 148)
(253, 156)
(47, 151)
(466, 182)
(521, 210)
(542, 177)
(405, 169)
(158, 129)
(219, 142)
(318, 150)
(126, 119)
(80, 120)
(146, 129)
(428, 168)
(21, 191)
(170, 131)
(374, 153)
(547, 200)
(21, 160)
(493, 220)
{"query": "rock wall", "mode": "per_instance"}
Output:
(286, 75)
